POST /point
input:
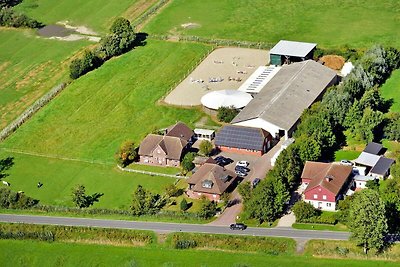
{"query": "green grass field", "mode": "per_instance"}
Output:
(329, 23)
(310, 226)
(346, 154)
(60, 176)
(95, 14)
(29, 67)
(97, 112)
(390, 90)
(31, 253)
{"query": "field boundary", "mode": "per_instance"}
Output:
(141, 20)
(151, 173)
(38, 104)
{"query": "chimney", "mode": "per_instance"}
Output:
(328, 178)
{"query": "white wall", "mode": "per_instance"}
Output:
(260, 123)
(323, 204)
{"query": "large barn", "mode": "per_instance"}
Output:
(279, 105)
(286, 52)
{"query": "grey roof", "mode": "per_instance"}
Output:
(373, 148)
(291, 48)
(382, 166)
(241, 137)
(363, 178)
(367, 159)
(292, 90)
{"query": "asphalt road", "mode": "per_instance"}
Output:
(174, 227)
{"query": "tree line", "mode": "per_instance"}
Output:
(120, 39)
(10, 18)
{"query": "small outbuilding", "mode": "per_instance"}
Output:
(243, 140)
(286, 52)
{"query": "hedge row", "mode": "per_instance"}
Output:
(10, 18)
(75, 234)
(272, 246)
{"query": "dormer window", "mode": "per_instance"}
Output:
(207, 184)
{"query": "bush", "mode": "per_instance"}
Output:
(184, 205)
(226, 114)
(205, 147)
(126, 154)
(14, 200)
(208, 209)
(304, 211)
(10, 18)
(185, 244)
(81, 66)
(187, 162)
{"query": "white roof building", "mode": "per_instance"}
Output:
(226, 98)
(347, 68)
(292, 48)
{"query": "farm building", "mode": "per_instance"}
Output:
(279, 105)
(286, 52)
(243, 140)
(225, 98)
(204, 134)
(260, 77)
(210, 180)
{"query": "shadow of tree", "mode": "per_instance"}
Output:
(5, 164)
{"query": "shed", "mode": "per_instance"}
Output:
(285, 52)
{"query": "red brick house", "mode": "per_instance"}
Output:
(325, 183)
(210, 180)
(168, 149)
(243, 140)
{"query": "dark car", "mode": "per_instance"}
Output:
(223, 161)
(255, 182)
(242, 169)
(238, 226)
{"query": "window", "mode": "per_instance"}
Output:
(328, 204)
(315, 196)
(324, 197)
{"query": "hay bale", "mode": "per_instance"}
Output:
(333, 61)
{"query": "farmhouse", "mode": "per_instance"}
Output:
(326, 183)
(168, 149)
(211, 180)
(279, 105)
(243, 140)
(286, 52)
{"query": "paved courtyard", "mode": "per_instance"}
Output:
(228, 67)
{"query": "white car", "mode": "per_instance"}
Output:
(346, 162)
(242, 163)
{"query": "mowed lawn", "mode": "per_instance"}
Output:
(33, 253)
(29, 67)
(60, 176)
(95, 14)
(117, 102)
(391, 91)
(330, 23)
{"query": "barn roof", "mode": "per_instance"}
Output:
(382, 166)
(291, 48)
(241, 137)
(292, 90)
(367, 159)
(373, 148)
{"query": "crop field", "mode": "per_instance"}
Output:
(31, 253)
(330, 23)
(29, 67)
(95, 14)
(391, 91)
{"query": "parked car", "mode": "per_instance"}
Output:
(255, 182)
(243, 169)
(346, 162)
(238, 226)
(242, 163)
(241, 173)
(223, 161)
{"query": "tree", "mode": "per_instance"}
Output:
(303, 211)
(172, 190)
(15, 200)
(245, 191)
(288, 167)
(184, 205)
(82, 200)
(354, 115)
(372, 99)
(308, 149)
(144, 202)
(368, 223)
(207, 209)
(389, 191)
(5, 164)
(226, 114)
(9, 3)
(365, 129)
(336, 104)
(187, 162)
(205, 147)
(81, 66)
(373, 184)
(392, 129)
(357, 82)
(126, 154)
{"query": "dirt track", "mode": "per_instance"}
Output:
(237, 63)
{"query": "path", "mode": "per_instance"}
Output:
(261, 167)
(174, 227)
